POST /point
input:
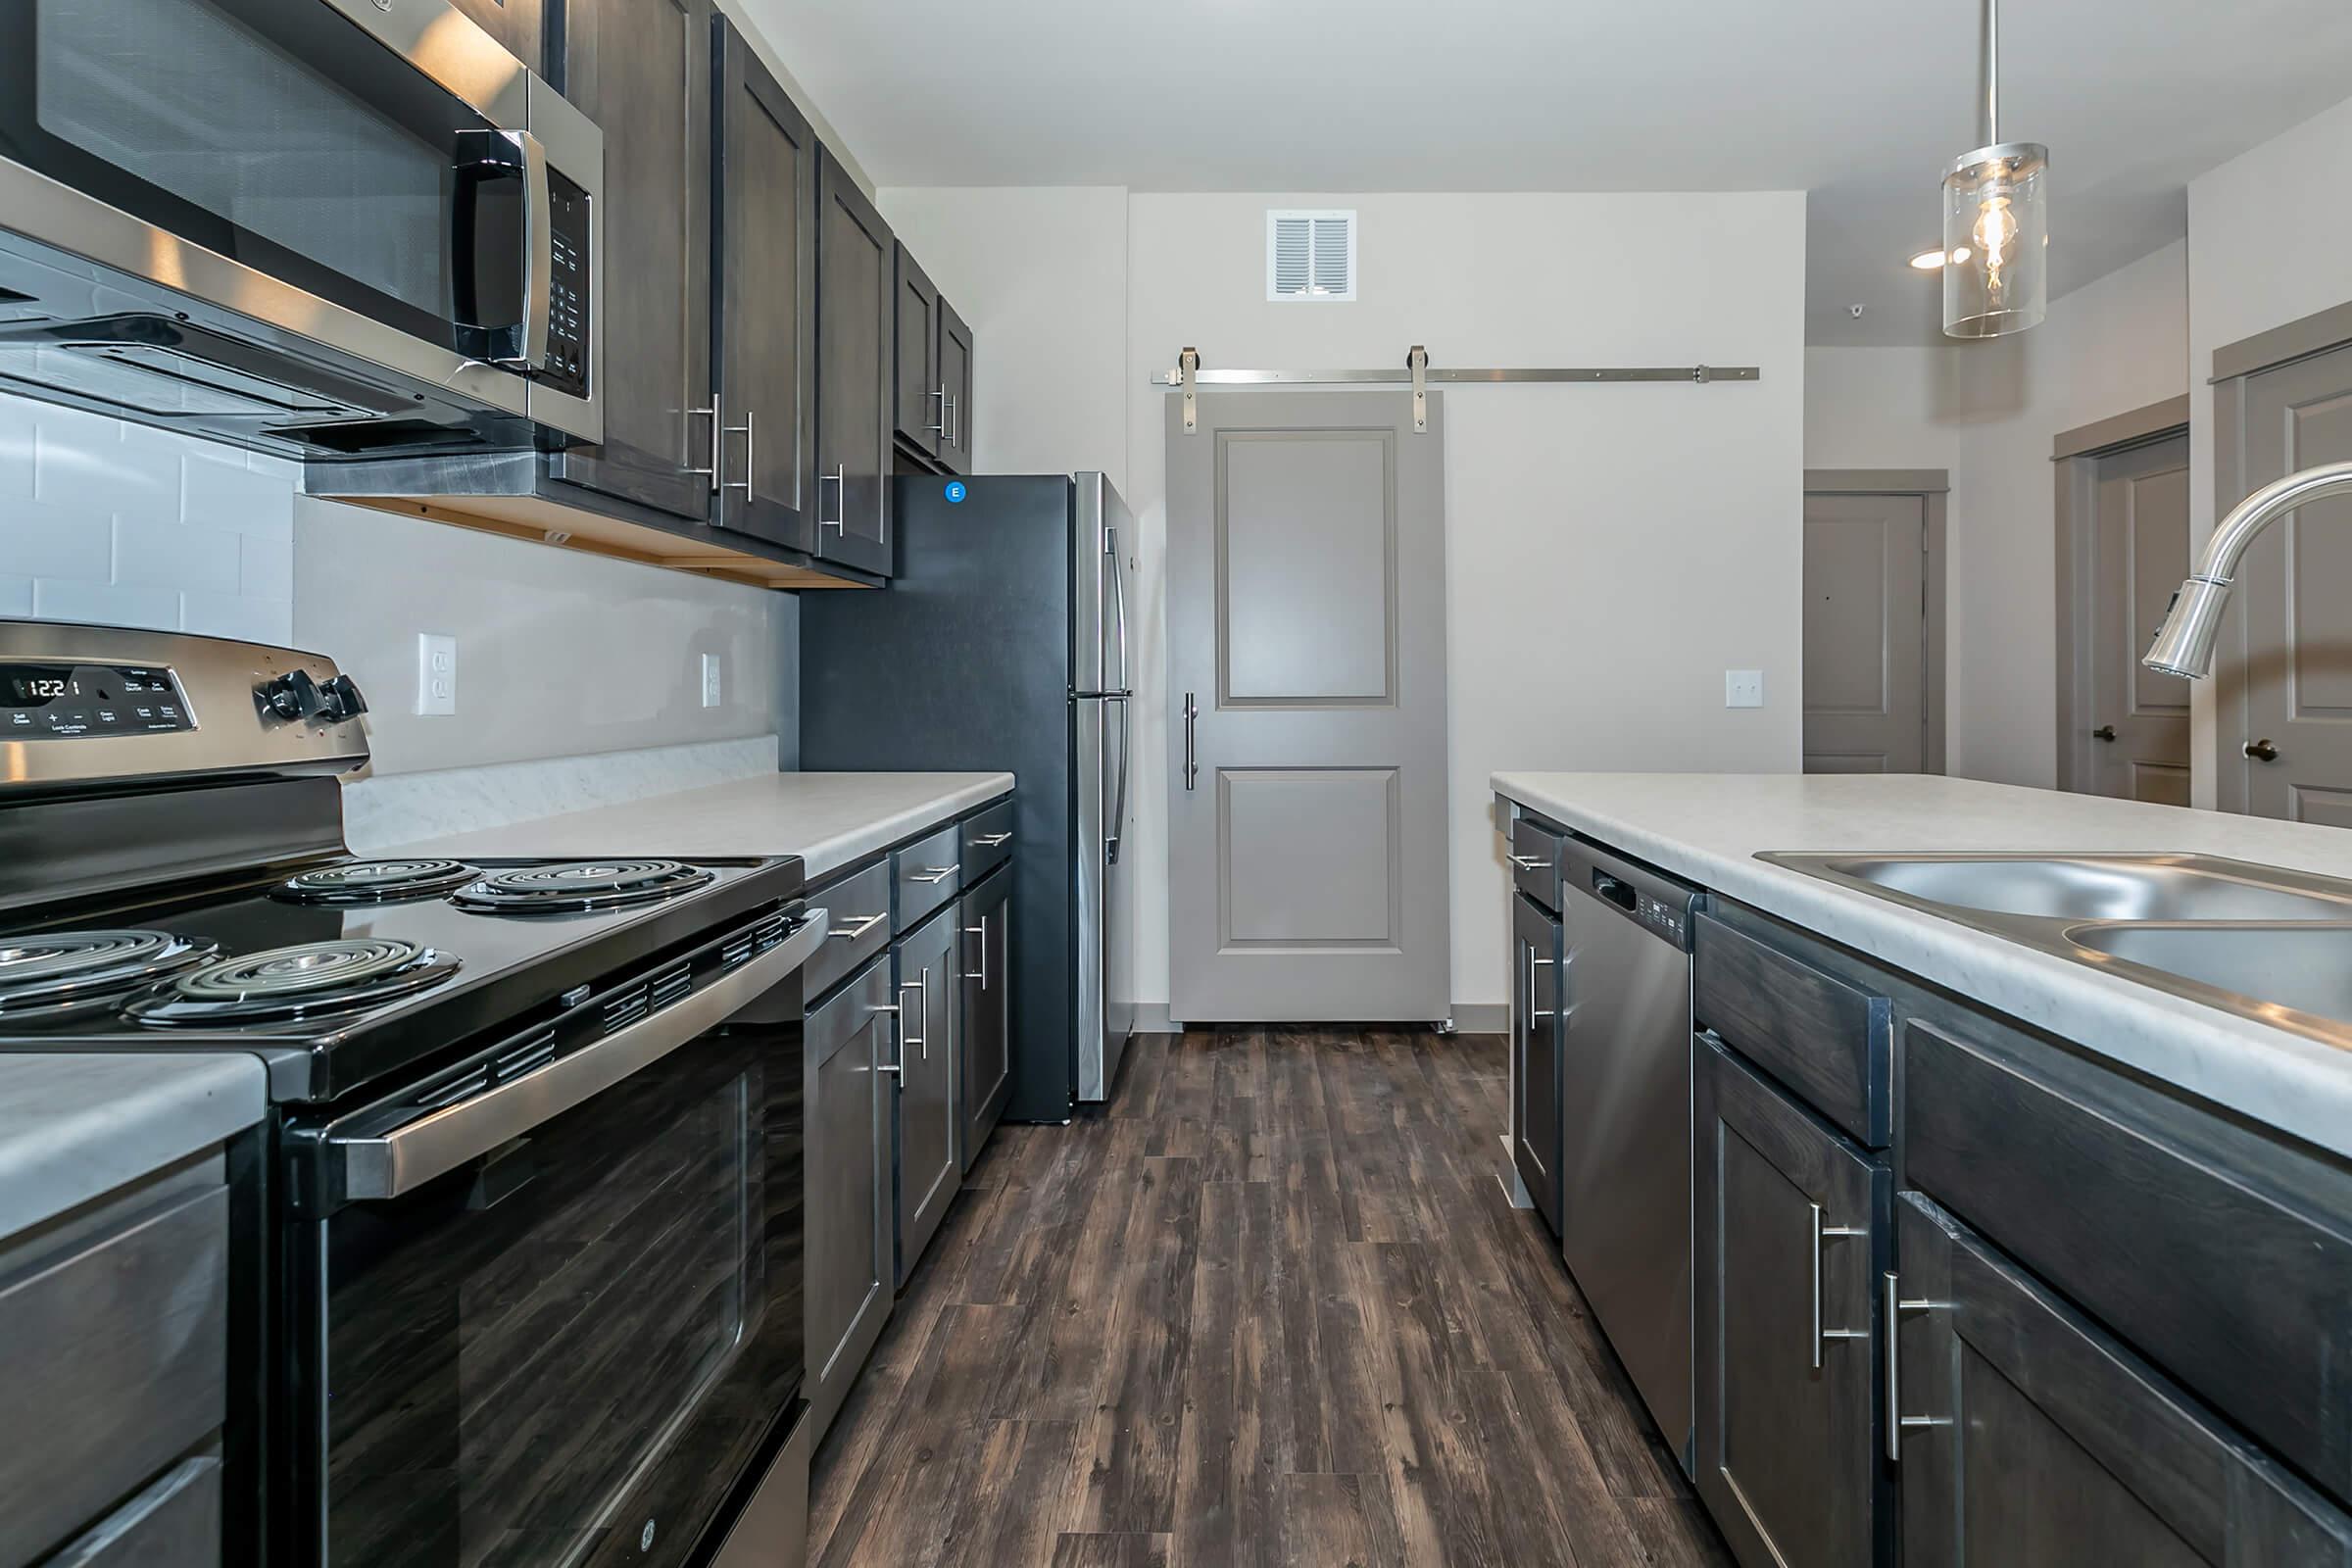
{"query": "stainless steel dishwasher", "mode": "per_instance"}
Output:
(1625, 1139)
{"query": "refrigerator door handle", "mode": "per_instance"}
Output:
(1113, 829)
(1118, 600)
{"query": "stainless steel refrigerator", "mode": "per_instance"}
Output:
(1005, 641)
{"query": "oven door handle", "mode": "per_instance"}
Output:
(398, 1161)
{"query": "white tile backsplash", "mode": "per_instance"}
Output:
(102, 520)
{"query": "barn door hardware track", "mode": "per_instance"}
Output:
(1420, 376)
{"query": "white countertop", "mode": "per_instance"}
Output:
(827, 819)
(76, 1127)
(1708, 827)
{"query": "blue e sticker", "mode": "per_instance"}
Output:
(955, 490)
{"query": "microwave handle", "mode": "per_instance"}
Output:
(391, 1163)
(538, 251)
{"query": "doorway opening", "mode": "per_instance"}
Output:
(1873, 621)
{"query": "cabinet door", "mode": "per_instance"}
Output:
(1535, 1055)
(1791, 1222)
(985, 1072)
(515, 23)
(2028, 1436)
(955, 380)
(919, 407)
(766, 369)
(850, 1271)
(930, 991)
(852, 373)
(641, 70)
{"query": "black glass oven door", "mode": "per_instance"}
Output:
(280, 135)
(565, 1351)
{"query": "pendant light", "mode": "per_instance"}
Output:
(1996, 225)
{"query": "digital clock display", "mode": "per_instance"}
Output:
(33, 686)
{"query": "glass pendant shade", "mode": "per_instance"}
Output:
(1996, 236)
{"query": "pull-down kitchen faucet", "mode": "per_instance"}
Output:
(2183, 644)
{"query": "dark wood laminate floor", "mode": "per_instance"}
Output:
(1272, 1308)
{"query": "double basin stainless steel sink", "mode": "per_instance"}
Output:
(2259, 941)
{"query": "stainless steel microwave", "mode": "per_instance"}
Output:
(315, 226)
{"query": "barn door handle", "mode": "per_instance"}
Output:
(1898, 1423)
(2262, 750)
(1822, 1336)
(2105, 732)
(1191, 720)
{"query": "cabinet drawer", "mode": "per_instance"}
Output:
(116, 1354)
(927, 875)
(175, 1523)
(1820, 1035)
(1535, 860)
(860, 907)
(2220, 1255)
(986, 841)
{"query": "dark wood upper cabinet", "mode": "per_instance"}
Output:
(853, 380)
(764, 353)
(518, 24)
(918, 400)
(956, 377)
(641, 70)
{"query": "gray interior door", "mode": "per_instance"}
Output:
(1866, 579)
(2139, 554)
(2297, 658)
(1307, 835)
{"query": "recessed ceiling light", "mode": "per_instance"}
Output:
(1928, 261)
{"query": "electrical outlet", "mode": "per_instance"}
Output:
(436, 673)
(710, 680)
(1743, 688)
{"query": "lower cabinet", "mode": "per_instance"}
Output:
(1536, 1009)
(984, 1074)
(2027, 1436)
(1791, 1241)
(850, 1274)
(929, 1009)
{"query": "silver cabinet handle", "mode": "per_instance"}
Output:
(992, 839)
(938, 426)
(1898, 1423)
(954, 425)
(1192, 717)
(750, 455)
(710, 470)
(925, 1041)
(839, 480)
(865, 924)
(390, 1163)
(899, 1012)
(1822, 1336)
(936, 873)
(980, 931)
(1528, 863)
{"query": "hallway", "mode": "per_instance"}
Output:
(1273, 1308)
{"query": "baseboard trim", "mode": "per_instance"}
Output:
(1469, 1018)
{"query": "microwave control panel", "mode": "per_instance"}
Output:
(64, 702)
(569, 328)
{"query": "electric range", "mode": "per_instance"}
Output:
(522, 1283)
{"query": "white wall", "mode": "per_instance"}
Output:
(1041, 278)
(2269, 237)
(559, 653)
(1987, 413)
(1612, 550)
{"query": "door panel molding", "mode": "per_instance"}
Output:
(1842, 748)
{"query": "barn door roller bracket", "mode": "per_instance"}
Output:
(1189, 378)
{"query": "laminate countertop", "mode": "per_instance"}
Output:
(828, 819)
(76, 1127)
(1709, 827)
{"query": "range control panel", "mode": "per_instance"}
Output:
(66, 702)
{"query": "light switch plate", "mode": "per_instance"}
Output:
(1743, 688)
(710, 680)
(436, 673)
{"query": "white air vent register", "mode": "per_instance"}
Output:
(1311, 255)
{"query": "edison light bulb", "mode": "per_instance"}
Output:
(1995, 232)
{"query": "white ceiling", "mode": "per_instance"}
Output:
(1861, 102)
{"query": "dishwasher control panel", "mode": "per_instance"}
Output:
(1668, 918)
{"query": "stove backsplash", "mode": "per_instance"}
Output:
(560, 654)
